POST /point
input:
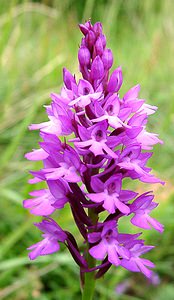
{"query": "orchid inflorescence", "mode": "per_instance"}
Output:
(107, 144)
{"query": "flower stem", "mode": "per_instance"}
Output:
(89, 284)
(89, 278)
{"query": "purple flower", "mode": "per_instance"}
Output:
(112, 112)
(95, 139)
(111, 195)
(85, 94)
(108, 244)
(68, 79)
(37, 154)
(52, 234)
(136, 263)
(107, 59)
(104, 144)
(52, 126)
(132, 95)
(134, 161)
(84, 56)
(68, 167)
(141, 208)
(148, 139)
(60, 120)
(115, 81)
(41, 204)
(97, 68)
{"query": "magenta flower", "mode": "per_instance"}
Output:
(52, 234)
(95, 140)
(141, 208)
(85, 94)
(110, 194)
(42, 203)
(104, 144)
(136, 263)
(109, 244)
(112, 112)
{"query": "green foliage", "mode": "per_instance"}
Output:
(37, 39)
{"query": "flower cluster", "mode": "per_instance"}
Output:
(104, 142)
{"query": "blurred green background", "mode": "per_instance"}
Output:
(37, 39)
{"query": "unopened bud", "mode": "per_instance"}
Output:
(83, 42)
(107, 59)
(83, 29)
(97, 28)
(103, 38)
(90, 39)
(84, 56)
(99, 46)
(68, 78)
(115, 81)
(97, 68)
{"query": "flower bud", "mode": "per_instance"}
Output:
(90, 39)
(84, 56)
(97, 28)
(83, 42)
(115, 81)
(83, 29)
(107, 59)
(68, 78)
(97, 68)
(88, 24)
(99, 46)
(103, 38)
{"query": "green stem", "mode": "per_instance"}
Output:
(89, 285)
(89, 278)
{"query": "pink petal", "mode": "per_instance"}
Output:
(140, 221)
(129, 265)
(122, 207)
(38, 154)
(155, 224)
(94, 237)
(126, 195)
(98, 251)
(113, 256)
(97, 197)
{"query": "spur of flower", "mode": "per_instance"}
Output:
(94, 141)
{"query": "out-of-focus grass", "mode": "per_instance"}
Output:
(37, 39)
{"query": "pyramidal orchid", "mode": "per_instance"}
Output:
(104, 142)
